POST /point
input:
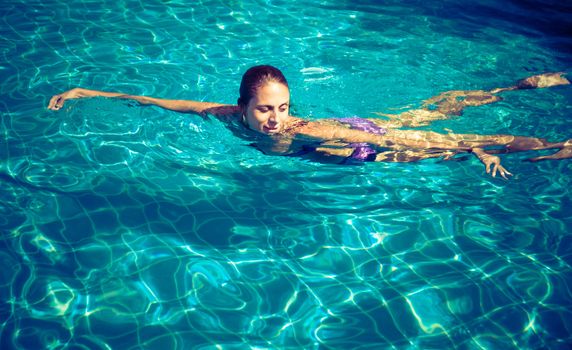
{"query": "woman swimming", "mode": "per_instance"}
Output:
(264, 103)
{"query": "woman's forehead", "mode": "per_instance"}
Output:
(273, 92)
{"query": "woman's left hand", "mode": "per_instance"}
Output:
(489, 160)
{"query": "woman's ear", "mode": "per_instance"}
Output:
(242, 109)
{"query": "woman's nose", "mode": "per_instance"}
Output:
(272, 116)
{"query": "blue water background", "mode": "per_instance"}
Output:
(131, 227)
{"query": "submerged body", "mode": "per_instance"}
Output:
(264, 103)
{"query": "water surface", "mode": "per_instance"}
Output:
(126, 227)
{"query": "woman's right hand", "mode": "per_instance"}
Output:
(57, 101)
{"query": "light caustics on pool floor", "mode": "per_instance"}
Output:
(132, 261)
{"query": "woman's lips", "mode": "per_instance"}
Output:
(270, 129)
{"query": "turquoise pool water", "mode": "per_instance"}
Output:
(125, 227)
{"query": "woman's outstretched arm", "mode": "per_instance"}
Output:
(184, 106)
(324, 131)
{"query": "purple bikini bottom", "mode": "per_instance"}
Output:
(362, 151)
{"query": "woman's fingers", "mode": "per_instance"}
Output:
(53, 101)
(56, 102)
(495, 168)
(501, 170)
(502, 173)
(505, 172)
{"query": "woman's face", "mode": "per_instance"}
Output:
(267, 111)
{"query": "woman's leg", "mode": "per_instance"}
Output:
(450, 103)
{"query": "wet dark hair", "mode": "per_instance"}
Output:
(254, 78)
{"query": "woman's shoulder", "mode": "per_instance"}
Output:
(314, 128)
(295, 123)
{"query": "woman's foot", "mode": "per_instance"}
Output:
(543, 81)
(564, 153)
